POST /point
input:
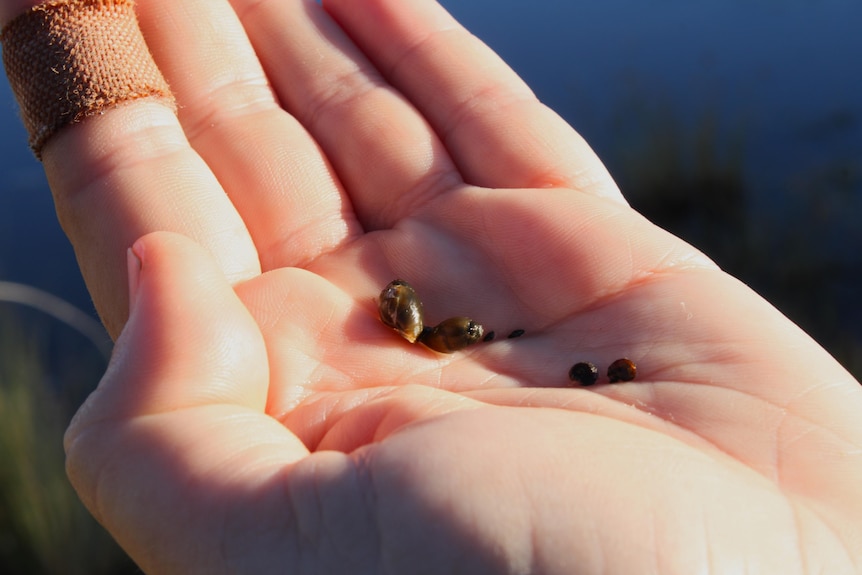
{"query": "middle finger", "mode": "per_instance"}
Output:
(385, 153)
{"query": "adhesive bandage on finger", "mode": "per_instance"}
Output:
(70, 59)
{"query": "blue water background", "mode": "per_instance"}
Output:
(787, 72)
(780, 79)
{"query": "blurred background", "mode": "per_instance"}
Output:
(736, 124)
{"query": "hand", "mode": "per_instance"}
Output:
(257, 417)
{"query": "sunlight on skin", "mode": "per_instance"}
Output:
(258, 417)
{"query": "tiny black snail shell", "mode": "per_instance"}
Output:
(401, 309)
(584, 373)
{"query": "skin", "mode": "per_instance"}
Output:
(258, 418)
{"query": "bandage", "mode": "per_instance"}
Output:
(68, 60)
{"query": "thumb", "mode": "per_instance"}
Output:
(189, 340)
(176, 430)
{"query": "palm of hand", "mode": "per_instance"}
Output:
(554, 262)
(408, 419)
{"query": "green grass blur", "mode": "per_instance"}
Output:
(44, 528)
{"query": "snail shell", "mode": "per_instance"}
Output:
(401, 309)
(622, 369)
(452, 334)
(584, 373)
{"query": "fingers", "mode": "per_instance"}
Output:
(493, 127)
(176, 428)
(253, 187)
(383, 150)
(271, 169)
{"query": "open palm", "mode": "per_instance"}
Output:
(258, 417)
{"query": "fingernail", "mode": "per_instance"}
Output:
(133, 267)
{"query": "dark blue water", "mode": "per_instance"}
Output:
(765, 93)
(33, 248)
(786, 72)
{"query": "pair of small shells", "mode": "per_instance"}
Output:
(585, 373)
(401, 309)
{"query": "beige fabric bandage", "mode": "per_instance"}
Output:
(70, 59)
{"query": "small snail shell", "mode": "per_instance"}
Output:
(452, 334)
(622, 370)
(584, 373)
(401, 309)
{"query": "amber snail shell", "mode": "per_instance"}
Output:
(622, 370)
(452, 334)
(401, 309)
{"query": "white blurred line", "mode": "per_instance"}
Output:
(61, 310)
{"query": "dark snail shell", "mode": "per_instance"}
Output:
(452, 334)
(401, 309)
(584, 373)
(622, 370)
